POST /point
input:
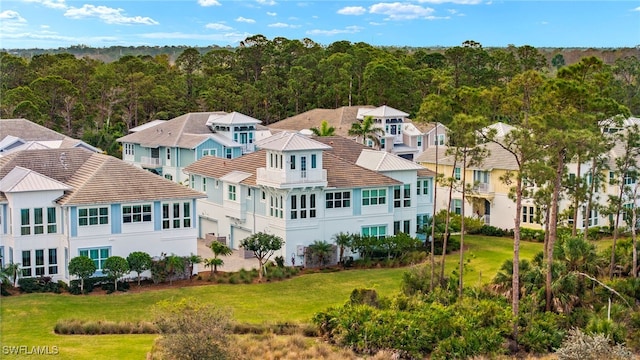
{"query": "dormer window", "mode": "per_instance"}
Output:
(292, 162)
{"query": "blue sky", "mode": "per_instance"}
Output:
(104, 23)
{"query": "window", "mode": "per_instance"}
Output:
(375, 231)
(340, 199)
(306, 208)
(93, 216)
(263, 196)
(2, 261)
(136, 213)
(204, 184)
(314, 161)
(53, 261)
(176, 215)
(168, 154)
(439, 140)
(419, 140)
(402, 196)
(528, 214)
(406, 226)
(396, 227)
(217, 184)
(228, 153)
(275, 206)
(629, 179)
(303, 166)
(456, 173)
(423, 186)
(248, 193)
(374, 197)
(129, 149)
(593, 217)
(612, 178)
(38, 227)
(168, 177)
(293, 162)
(422, 220)
(232, 193)
(192, 181)
(481, 176)
(26, 263)
(52, 226)
(98, 255)
(209, 152)
(39, 262)
(25, 222)
(456, 206)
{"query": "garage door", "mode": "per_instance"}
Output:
(208, 226)
(237, 234)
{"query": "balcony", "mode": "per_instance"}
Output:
(291, 178)
(150, 162)
(484, 188)
(248, 148)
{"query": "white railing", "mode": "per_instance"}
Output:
(248, 148)
(149, 161)
(484, 187)
(279, 177)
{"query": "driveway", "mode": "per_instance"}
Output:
(233, 262)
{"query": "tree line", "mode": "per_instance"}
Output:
(269, 80)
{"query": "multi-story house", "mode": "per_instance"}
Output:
(22, 134)
(57, 204)
(305, 189)
(168, 146)
(400, 135)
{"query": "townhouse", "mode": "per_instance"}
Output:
(56, 204)
(167, 147)
(305, 189)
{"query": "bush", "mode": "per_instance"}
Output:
(102, 327)
(531, 235)
(39, 285)
(89, 284)
(581, 346)
(364, 297)
(542, 334)
(109, 287)
(489, 230)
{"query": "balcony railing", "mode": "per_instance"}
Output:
(484, 188)
(147, 161)
(290, 178)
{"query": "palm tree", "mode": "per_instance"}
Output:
(366, 130)
(342, 240)
(321, 250)
(213, 263)
(324, 130)
(218, 249)
(192, 260)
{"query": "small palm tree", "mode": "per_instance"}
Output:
(324, 130)
(342, 240)
(321, 250)
(192, 260)
(218, 249)
(213, 263)
(367, 130)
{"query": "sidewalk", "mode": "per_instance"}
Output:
(233, 262)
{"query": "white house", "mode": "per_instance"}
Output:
(306, 189)
(166, 147)
(56, 204)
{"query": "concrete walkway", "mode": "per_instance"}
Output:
(233, 262)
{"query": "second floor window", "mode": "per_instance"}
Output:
(93, 216)
(423, 187)
(136, 213)
(176, 215)
(232, 193)
(374, 197)
(339, 199)
(457, 173)
(303, 206)
(129, 149)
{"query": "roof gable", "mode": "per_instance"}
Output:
(382, 112)
(20, 179)
(233, 118)
(384, 161)
(288, 141)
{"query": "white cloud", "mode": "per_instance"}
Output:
(452, 11)
(230, 37)
(352, 10)
(108, 15)
(402, 11)
(271, 13)
(218, 26)
(636, 9)
(266, 2)
(376, 23)
(348, 30)
(11, 21)
(283, 25)
(245, 20)
(208, 2)
(461, 2)
(10, 15)
(544, 23)
(54, 4)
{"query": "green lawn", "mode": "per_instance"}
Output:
(29, 319)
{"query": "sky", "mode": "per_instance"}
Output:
(417, 23)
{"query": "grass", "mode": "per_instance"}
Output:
(30, 319)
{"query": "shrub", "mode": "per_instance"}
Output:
(581, 346)
(531, 235)
(364, 297)
(542, 334)
(89, 284)
(489, 230)
(39, 285)
(102, 327)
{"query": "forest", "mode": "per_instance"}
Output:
(100, 100)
